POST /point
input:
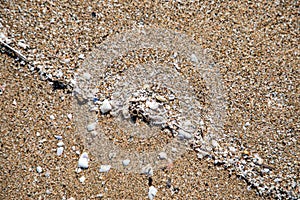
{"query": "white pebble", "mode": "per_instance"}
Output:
(214, 143)
(194, 58)
(69, 116)
(58, 137)
(104, 168)
(162, 156)
(22, 45)
(147, 170)
(82, 179)
(39, 169)
(105, 107)
(83, 161)
(59, 151)
(232, 149)
(60, 144)
(38, 134)
(152, 105)
(81, 56)
(152, 192)
(87, 76)
(126, 162)
(91, 127)
(184, 135)
(52, 117)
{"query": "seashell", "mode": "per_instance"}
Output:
(105, 107)
(83, 161)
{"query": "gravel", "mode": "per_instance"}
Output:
(254, 45)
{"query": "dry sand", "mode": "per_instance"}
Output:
(256, 46)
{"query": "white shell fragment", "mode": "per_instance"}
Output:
(23, 45)
(83, 161)
(104, 168)
(39, 169)
(91, 127)
(152, 192)
(59, 151)
(105, 107)
(82, 179)
(126, 162)
(162, 156)
(184, 135)
(60, 144)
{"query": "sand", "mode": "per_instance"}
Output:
(254, 45)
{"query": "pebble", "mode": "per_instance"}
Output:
(38, 134)
(162, 156)
(52, 117)
(82, 179)
(152, 105)
(87, 76)
(147, 170)
(59, 151)
(60, 144)
(83, 161)
(23, 45)
(184, 135)
(39, 169)
(161, 98)
(152, 192)
(105, 107)
(58, 137)
(104, 168)
(126, 162)
(194, 58)
(91, 127)
(81, 56)
(69, 116)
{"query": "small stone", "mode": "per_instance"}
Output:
(194, 58)
(58, 137)
(214, 143)
(47, 174)
(87, 76)
(184, 135)
(39, 169)
(152, 192)
(83, 161)
(38, 134)
(232, 149)
(69, 116)
(60, 144)
(52, 117)
(91, 127)
(147, 170)
(126, 162)
(104, 168)
(105, 107)
(152, 105)
(59, 151)
(82, 179)
(23, 45)
(162, 156)
(245, 152)
(81, 56)
(161, 98)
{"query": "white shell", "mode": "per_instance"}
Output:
(162, 155)
(39, 169)
(104, 168)
(152, 192)
(126, 162)
(105, 107)
(83, 161)
(59, 151)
